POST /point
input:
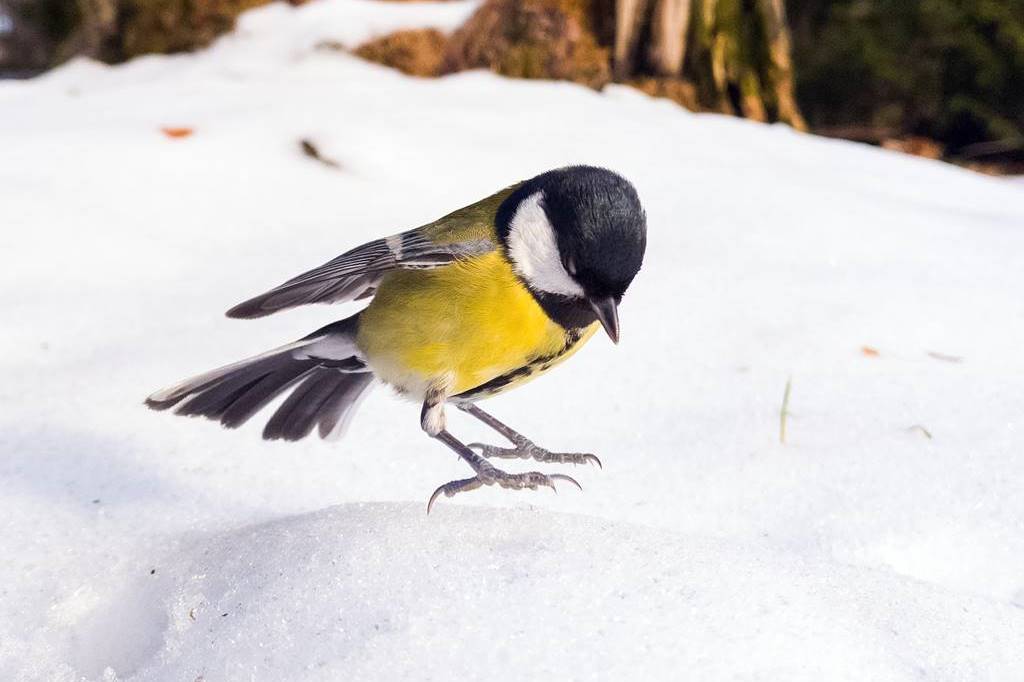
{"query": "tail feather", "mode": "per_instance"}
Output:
(293, 420)
(325, 370)
(172, 395)
(213, 401)
(313, 403)
(255, 399)
(340, 407)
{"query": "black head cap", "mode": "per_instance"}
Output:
(601, 233)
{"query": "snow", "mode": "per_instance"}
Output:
(884, 540)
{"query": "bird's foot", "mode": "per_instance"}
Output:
(489, 475)
(527, 449)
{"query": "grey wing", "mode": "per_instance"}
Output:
(355, 274)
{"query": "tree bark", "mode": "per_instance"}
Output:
(629, 18)
(668, 36)
(780, 67)
(736, 54)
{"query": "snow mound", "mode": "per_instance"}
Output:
(380, 591)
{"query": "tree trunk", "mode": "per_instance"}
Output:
(780, 66)
(629, 20)
(668, 36)
(735, 53)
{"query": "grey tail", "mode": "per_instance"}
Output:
(323, 371)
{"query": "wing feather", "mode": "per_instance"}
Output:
(355, 275)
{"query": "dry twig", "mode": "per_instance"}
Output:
(313, 152)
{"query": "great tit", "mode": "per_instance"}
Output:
(463, 308)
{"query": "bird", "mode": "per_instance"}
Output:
(460, 309)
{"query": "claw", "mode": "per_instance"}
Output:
(433, 498)
(452, 487)
(536, 478)
(593, 459)
(563, 477)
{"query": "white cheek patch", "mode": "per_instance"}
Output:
(534, 250)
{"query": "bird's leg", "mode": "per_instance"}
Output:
(432, 420)
(524, 447)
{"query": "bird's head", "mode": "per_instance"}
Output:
(576, 237)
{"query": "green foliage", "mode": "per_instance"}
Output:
(952, 70)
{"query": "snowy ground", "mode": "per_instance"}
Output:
(884, 541)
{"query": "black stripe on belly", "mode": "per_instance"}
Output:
(539, 364)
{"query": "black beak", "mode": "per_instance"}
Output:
(608, 312)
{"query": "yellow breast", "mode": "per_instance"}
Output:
(461, 325)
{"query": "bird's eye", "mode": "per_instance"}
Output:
(570, 266)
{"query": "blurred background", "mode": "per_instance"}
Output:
(942, 79)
